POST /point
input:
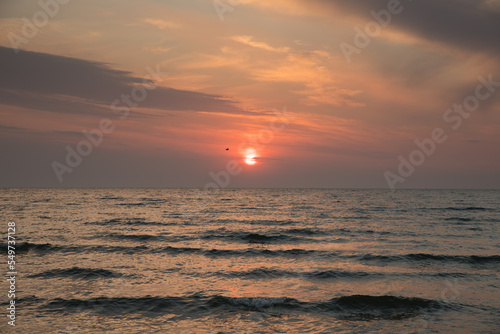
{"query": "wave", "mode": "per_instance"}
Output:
(469, 208)
(127, 221)
(255, 303)
(134, 237)
(467, 259)
(294, 235)
(242, 252)
(256, 238)
(114, 198)
(264, 222)
(263, 273)
(24, 247)
(151, 199)
(459, 219)
(260, 252)
(148, 237)
(143, 202)
(256, 274)
(353, 307)
(354, 233)
(26, 301)
(43, 200)
(76, 272)
(42, 249)
(305, 231)
(181, 250)
(366, 307)
(328, 274)
(261, 238)
(461, 208)
(131, 204)
(266, 273)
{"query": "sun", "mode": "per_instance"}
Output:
(250, 160)
(250, 155)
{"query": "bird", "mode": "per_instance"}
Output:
(227, 149)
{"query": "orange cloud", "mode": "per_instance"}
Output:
(248, 40)
(162, 24)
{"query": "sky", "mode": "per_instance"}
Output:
(250, 93)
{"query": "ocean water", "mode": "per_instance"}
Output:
(253, 261)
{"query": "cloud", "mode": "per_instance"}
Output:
(162, 24)
(11, 128)
(248, 40)
(58, 104)
(468, 24)
(69, 85)
(43, 73)
(317, 83)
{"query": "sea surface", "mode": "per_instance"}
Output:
(253, 261)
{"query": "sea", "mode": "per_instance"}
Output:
(251, 261)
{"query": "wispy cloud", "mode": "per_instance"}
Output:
(249, 40)
(162, 24)
(309, 70)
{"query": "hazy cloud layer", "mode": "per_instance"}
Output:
(469, 24)
(62, 84)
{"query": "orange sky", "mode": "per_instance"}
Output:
(229, 72)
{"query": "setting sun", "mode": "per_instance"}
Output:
(250, 155)
(250, 160)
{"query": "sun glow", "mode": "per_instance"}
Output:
(250, 160)
(250, 157)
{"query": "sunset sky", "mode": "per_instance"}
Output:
(275, 73)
